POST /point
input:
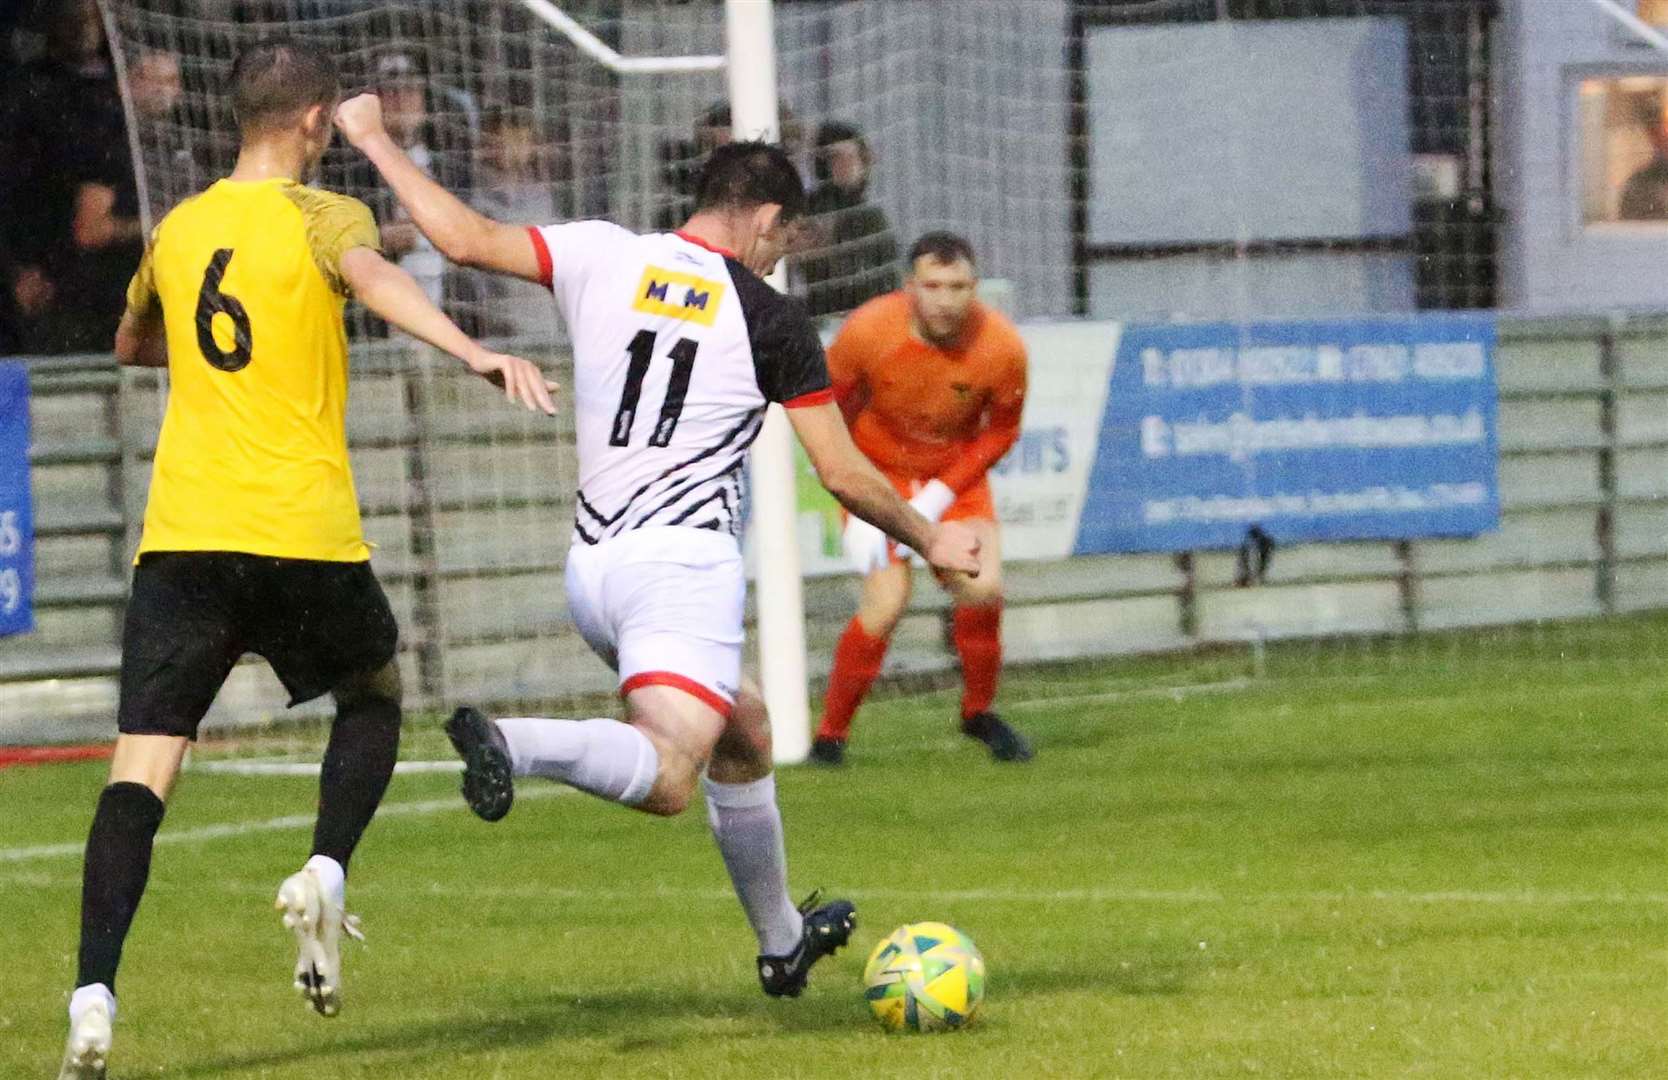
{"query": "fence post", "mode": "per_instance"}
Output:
(1604, 583)
(132, 481)
(1407, 585)
(1187, 599)
(428, 635)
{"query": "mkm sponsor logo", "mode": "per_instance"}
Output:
(673, 294)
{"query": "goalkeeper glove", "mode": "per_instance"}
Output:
(930, 502)
(865, 546)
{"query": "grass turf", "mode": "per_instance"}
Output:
(1441, 858)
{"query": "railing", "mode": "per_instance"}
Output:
(469, 504)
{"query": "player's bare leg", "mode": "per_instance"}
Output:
(885, 598)
(859, 655)
(118, 863)
(977, 632)
(684, 730)
(358, 763)
(740, 788)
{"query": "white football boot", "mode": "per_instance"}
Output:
(89, 1044)
(318, 923)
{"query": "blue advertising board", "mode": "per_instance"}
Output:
(17, 532)
(1377, 428)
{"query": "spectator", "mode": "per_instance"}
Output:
(155, 84)
(513, 180)
(681, 159)
(1645, 195)
(405, 108)
(514, 184)
(13, 47)
(11, 325)
(850, 254)
(74, 228)
(432, 124)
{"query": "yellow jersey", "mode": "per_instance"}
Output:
(253, 453)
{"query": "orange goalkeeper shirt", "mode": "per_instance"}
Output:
(920, 411)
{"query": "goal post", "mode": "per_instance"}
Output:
(777, 584)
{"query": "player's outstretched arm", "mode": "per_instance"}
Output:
(462, 234)
(396, 296)
(859, 487)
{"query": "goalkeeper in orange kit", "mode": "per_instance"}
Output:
(932, 384)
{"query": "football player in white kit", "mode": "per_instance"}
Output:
(679, 347)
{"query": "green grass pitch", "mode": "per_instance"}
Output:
(1433, 858)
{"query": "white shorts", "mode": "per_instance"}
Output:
(663, 606)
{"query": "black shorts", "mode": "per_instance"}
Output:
(194, 613)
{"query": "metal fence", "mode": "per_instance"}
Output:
(469, 507)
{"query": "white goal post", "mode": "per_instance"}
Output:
(777, 586)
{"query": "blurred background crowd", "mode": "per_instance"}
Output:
(71, 227)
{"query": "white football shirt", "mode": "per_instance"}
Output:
(677, 350)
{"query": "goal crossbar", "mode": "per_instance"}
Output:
(610, 58)
(1640, 29)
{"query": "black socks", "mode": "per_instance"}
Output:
(358, 763)
(118, 863)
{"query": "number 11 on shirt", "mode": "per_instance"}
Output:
(641, 351)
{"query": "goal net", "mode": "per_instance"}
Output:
(468, 502)
(1120, 167)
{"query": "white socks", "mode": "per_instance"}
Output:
(87, 995)
(748, 827)
(331, 876)
(615, 761)
(606, 758)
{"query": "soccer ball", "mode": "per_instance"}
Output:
(927, 976)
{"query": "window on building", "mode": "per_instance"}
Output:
(1623, 146)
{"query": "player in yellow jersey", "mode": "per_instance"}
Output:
(252, 540)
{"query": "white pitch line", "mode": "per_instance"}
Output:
(425, 807)
(1174, 692)
(418, 808)
(1495, 898)
(1058, 896)
(258, 767)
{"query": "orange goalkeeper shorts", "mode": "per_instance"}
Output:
(974, 503)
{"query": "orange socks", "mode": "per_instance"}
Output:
(858, 657)
(857, 660)
(978, 636)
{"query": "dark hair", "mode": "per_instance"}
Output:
(275, 80)
(397, 64)
(835, 131)
(498, 118)
(63, 23)
(942, 247)
(742, 175)
(716, 115)
(1649, 112)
